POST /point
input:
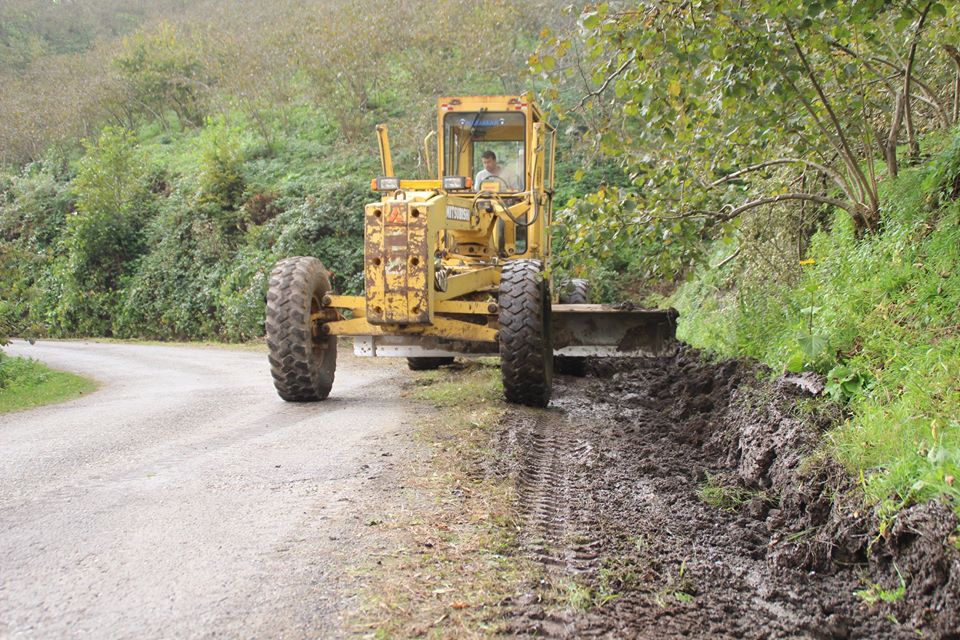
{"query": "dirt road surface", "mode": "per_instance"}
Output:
(185, 499)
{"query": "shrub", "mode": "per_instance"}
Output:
(104, 236)
(221, 157)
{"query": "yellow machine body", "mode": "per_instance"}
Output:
(458, 265)
(432, 254)
(434, 249)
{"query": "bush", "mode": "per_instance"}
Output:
(105, 236)
(172, 295)
(221, 157)
(34, 206)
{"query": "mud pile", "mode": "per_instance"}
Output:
(668, 497)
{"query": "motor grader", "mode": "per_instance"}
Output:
(453, 268)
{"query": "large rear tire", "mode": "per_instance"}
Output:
(577, 291)
(302, 360)
(526, 344)
(428, 364)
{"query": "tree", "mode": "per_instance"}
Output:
(721, 107)
(105, 234)
(163, 72)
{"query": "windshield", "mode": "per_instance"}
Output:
(486, 146)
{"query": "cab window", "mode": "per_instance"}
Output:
(470, 136)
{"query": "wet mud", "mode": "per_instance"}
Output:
(674, 498)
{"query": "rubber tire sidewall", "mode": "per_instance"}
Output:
(302, 372)
(576, 292)
(526, 341)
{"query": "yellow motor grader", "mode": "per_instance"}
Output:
(457, 266)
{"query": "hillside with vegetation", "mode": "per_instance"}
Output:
(153, 178)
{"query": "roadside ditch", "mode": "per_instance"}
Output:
(671, 497)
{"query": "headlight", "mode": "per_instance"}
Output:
(387, 184)
(453, 183)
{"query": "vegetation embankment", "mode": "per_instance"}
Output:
(25, 383)
(880, 318)
(792, 168)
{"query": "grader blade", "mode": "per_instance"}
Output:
(603, 330)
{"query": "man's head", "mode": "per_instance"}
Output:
(489, 161)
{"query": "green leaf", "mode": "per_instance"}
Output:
(813, 344)
(840, 372)
(795, 362)
(902, 22)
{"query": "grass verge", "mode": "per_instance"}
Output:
(259, 345)
(25, 383)
(455, 555)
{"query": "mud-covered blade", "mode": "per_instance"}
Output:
(610, 330)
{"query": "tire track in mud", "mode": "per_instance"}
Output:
(607, 483)
(555, 533)
(549, 475)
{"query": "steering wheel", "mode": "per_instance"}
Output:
(506, 186)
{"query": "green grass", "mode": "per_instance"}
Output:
(875, 593)
(471, 383)
(881, 313)
(25, 383)
(727, 498)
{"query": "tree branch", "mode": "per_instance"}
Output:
(783, 197)
(955, 57)
(836, 177)
(851, 158)
(607, 81)
(907, 78)
(872, 69)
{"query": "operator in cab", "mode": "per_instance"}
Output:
(492, 171)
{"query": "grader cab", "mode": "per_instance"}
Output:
(457, 266)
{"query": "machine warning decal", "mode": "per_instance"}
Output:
(458, 213)
(398, 214)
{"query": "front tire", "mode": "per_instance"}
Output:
(302, 360)
(526, 344)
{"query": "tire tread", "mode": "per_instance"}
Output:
(298, 375)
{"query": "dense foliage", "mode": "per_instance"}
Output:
(718, 108)
(172, 236)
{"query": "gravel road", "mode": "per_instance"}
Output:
(185, 499)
